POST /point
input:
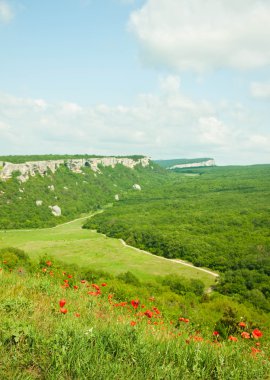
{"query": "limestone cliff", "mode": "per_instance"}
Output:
(32, 168)
(194, 164)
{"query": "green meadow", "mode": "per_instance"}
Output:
(85, 248)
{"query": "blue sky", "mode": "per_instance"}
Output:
(165, 78)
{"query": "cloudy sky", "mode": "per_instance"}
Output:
(165, 78)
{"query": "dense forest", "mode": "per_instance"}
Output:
(215, 217)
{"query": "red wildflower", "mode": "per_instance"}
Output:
(183, 320)
(63, 310)
(103, 284)
(62, 302)
(242, 324)
(75, 287)
(148, 313)
(95, 286)
(69, 276)
(151, 298)
(156, 310)
(135, 304)
(216, 333)
(77, 315)
(232, 338)
(44, 270)
(257, 334)
(49, 263)
(255, 351)
(132, 323)
(83, 281)
(245, 335)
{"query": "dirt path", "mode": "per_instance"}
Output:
(178, 261)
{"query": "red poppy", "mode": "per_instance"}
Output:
(132, 323)
(156, 310)
(245, 335)
(62, 302)
(216, 333)
(95, 286)
(135, 304)
(49, 263)
(83, 281)
(104, 284)
(77, 315)
(148, 313)
(69, 276)
(63, 310)
(242, 324)
(257, 334)
(75, 287)
(44, 270)
(151, 299)
(232, 338)
(183, 320)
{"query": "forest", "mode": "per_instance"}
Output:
(216, 217)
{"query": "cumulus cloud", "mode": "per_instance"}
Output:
(201, 35)
(260, 89)
(6, 13)
(169, 124)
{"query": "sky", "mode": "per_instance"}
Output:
(162, 78)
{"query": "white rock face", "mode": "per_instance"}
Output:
(136, 186)
(39, 203)
(194, 164)
(116, 197)
(56, 210)
(32, 168)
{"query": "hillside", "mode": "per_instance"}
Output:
(61, 322)
(45, 193)
(182, 163)
(219, 219)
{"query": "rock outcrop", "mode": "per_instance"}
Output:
(194, 164)
(56, 210)
(32, 168)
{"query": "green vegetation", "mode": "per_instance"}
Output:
(60, 321)
(74, 193)
(219, 219)
(47, 157)
(77, 246)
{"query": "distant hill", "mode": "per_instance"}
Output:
(181, 163)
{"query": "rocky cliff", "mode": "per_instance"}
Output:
(32, 168)
(194, 164)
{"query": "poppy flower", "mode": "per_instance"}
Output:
(75, 287)
(104, 284)
(245, 335)
(216, 333)
(77, 315)
(186, 320)
(257, 334)
(232, 338)
(63, 310)
(83, 281)
(62, 302)
(135, 304)
(69, 276)
(95, 286)
(132, 323)
(48, 263)
(148, 313)
(242, 324)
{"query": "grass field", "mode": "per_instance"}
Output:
(72, 244)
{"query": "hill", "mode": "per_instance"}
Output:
(45, 193)
(182, 163)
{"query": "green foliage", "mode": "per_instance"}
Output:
(219, 220)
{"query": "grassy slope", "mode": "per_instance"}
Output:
(38, 342)
(72, 244)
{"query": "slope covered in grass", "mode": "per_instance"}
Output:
(58, 322)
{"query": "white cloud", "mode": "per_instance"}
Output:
(260, 90)
(6, 13)
(200, 35)
(166, 125)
